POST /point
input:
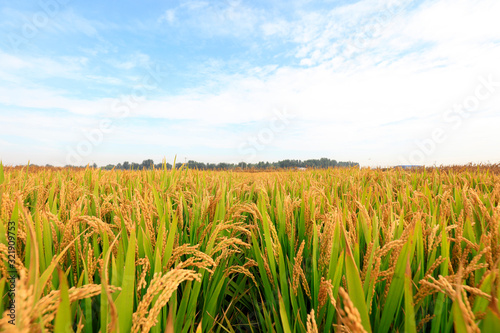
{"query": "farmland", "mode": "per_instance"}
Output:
(225, 251)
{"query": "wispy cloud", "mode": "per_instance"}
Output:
(216, 18)
(169, 17)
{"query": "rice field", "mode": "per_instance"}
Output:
(344, 250)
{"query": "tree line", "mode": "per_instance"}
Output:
(322, 163)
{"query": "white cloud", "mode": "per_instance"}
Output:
(227, 18)
(456, 21)
(23, 68)
(104, 79)
(277, 28)
(169, 16)
(48, 99)
(138, 59)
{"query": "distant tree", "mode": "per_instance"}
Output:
(323, 162)
(223, 166)
(147, 164)
(196, 165)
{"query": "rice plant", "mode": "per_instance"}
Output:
(224, 251)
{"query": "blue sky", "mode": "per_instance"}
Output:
(377, 82)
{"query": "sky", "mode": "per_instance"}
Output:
(376, 82)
